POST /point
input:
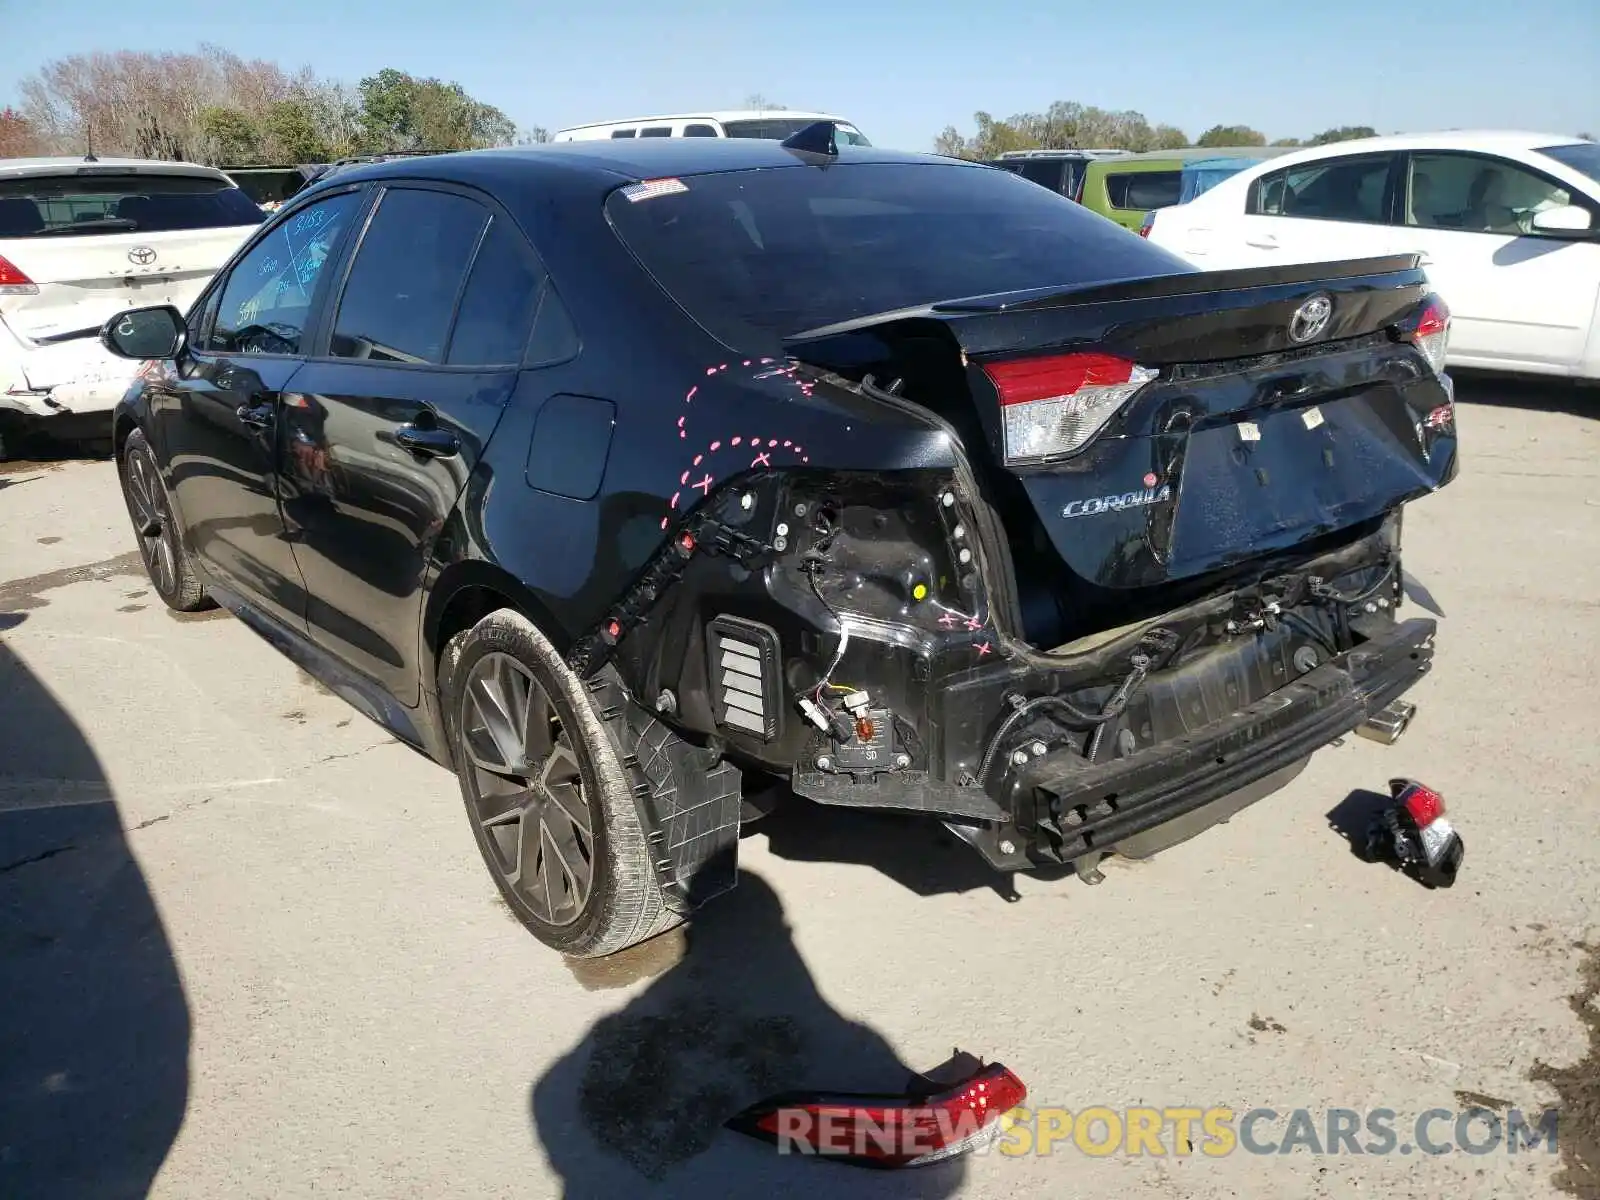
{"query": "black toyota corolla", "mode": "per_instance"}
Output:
(626, 478)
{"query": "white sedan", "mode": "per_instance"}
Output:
(1507, 224)
(81, 239)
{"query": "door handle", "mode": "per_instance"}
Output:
(256, 416)
(426, 441)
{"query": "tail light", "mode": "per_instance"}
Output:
(1432, 334)
(13, 282)
(1053, 406)
(1146, 225)
(878, 1131)
(1415, 831)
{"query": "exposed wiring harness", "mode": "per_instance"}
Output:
(1322, 591)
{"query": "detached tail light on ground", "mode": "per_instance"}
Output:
(1052, 406)
(13, 282)
(1432, 334)
(1415, 832)
(888, 1131)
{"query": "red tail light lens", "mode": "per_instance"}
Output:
(1432, 334)
(1052, 406)
(880, 1132)
(1424, 804)
(13, 282)
(1146, 225)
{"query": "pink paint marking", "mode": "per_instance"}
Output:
(684, 479)
(799, 449)
(682, 434)
(705, 485)
(747, 362)
(715, 446)
(974, 624)
(675, 496)
(711, 370)
(664, 522)
(763, 459)
(767, 360)
(804, 459)
(773, 444)
(692, 391)
(698, 459)
(735, 441)
(787, 443)
(983, 649)
(947, 622)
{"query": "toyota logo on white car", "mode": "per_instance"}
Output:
(142, 256)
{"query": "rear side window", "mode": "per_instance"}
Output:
(1340, 189)
(407, 274)
(1044, 172)
(623, 133)
(699, 131)
(759, 255)
(770, 128)
(498, 305)
(68, 205)
(656, 131)
(1144, 190)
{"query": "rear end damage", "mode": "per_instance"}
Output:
(1063, 631)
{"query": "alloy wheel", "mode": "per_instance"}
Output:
(147, 504)
(527, 789)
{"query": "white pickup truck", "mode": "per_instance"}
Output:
(81, 239)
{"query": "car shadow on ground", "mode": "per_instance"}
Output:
(915, 851)
(1533, 393)
(94, 1027)
(637, 1107)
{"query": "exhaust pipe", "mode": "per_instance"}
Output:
(1387, 724)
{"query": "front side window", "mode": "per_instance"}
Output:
(1477, 194)
(699, 131)
(79, 204)
(1340, 189)
(623, 133)
(266, 302)
(406, 276)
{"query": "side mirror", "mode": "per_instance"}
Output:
(145, 333)
(1569, 218)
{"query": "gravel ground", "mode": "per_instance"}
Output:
(247, 947)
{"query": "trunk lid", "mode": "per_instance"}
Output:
(1243, 441)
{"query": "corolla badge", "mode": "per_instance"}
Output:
(141, 256)
(1154, 492)
(1311, 318)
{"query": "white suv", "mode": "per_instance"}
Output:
(81, 239)
(1507, 224)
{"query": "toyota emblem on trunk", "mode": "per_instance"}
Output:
(1311, 318)
(143, 256)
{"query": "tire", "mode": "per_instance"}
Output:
(166, 562)
(568, 791)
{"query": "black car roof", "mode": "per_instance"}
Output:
(615, 160)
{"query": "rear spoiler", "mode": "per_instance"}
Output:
(1149, 287)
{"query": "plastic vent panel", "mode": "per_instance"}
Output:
(744, 676)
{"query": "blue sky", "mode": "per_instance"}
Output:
(903, 69)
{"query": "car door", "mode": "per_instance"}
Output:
(384, 427)
(218, 420)
(1518, 299)
(1326, 209)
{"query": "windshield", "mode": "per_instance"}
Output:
(777, 128)
(760, 255)
(1200, 177)
(68, 205)
(1580, 156)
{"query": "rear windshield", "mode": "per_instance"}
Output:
(269, 185)
(777, 128)
(1144, 190)
(754, 255)
(1580, 156)
(68, 205)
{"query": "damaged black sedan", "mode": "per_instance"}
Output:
(626, 479)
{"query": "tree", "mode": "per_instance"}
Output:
(537, 136)
(1288, 142)
(231, 138)
(1169, 137)
(401, 112)
(292, 135)
(1344, 133)
(17, 138)
(759, 103)
(1231, 135)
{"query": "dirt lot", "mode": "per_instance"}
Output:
(247, 948)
